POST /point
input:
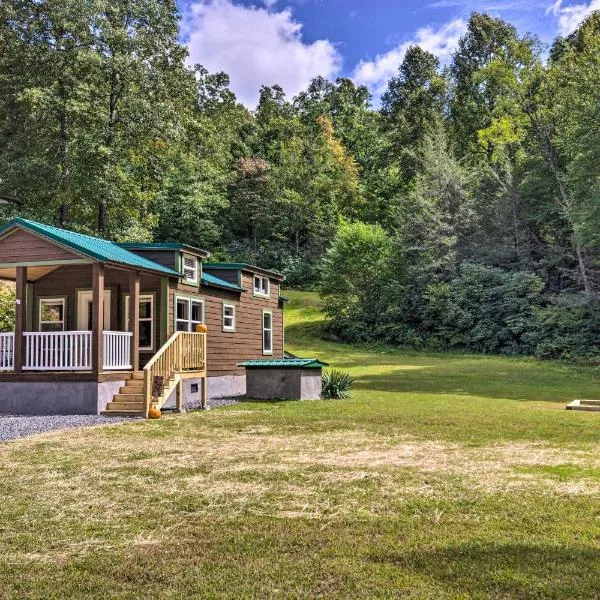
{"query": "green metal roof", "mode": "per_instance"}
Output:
(293, 363)
(244, 266)
(211, 280)
(163, 246)
(95, 248)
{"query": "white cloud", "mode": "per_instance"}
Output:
(256, 46)
(568, 18)
(441, 42)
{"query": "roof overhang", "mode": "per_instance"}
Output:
(244, 267)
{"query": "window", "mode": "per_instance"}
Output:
(145, 319)
(52, 314)
(190, 269)
(267, 332)
(228, 317)
(261, 286)
(188, 313)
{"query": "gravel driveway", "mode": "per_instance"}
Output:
(19, 426)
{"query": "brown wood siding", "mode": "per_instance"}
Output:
(167, 258)
(23, 246)
(230, 275)
(68, 280)
(226, 349)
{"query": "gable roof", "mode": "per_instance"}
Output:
(164, 246)
(244, 267)
(212, 281)
(92, 247)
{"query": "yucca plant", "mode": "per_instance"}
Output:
(336, 384)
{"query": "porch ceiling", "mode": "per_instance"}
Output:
(33, 273)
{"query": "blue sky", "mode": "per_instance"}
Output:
(291, 41)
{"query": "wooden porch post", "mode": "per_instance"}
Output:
(134, 318)
(97, 317)
(21, 318)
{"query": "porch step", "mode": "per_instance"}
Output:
(122, 413)
(111, 406)
(131, 389)
(587, 405)
(137, 375)
(130, 397)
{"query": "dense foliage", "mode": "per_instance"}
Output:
(461, 211)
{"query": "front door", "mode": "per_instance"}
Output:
(84, 310)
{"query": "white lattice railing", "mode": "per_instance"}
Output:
(58, 351)
(117, 350)
(7, 351)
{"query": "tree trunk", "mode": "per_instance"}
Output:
(548, 153)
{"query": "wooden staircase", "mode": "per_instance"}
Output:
(184, 355)
(129, 402)
(587, 405)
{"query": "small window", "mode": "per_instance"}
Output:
(261, 286)
(190, 269)
(267, 332)
(52, 314)
(145, 319)
(228, 317)
(188, 313)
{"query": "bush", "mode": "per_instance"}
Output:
(7, 307)
(336, 385)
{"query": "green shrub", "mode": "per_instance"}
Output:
(336, 384)
(7, 307)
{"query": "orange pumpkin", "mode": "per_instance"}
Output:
(153, 412)
(201, 328)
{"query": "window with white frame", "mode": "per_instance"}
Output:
(189, 312)
(145, 320)
(190, 269)
(228, 317)
(261, 286)
(51, 314)
(267, 332)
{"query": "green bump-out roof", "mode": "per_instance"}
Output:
(212, 280)
(96, 248)
(293, 363)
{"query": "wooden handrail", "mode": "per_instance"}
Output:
(183, 351)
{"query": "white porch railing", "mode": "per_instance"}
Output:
(58, 350)
(66, 350)
(117, 350)
(7, 351)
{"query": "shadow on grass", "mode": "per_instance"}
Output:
(505, 570)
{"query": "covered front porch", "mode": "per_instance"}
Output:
(42, 340)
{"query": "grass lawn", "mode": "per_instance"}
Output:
(445, 476)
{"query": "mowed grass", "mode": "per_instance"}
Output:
(445, 476)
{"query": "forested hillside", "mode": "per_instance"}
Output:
(462, 210)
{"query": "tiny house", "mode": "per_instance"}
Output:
(110, 328)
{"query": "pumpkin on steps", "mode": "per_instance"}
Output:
(154, 412)
(201, 328)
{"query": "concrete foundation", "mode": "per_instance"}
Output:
(56, 397)
(226, 386)
(283, 383)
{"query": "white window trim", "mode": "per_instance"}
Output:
(195, 268)
(263, 279)
(189, 300)
(62, 301)
(151, 319)
(229, 328)
(263, 329)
